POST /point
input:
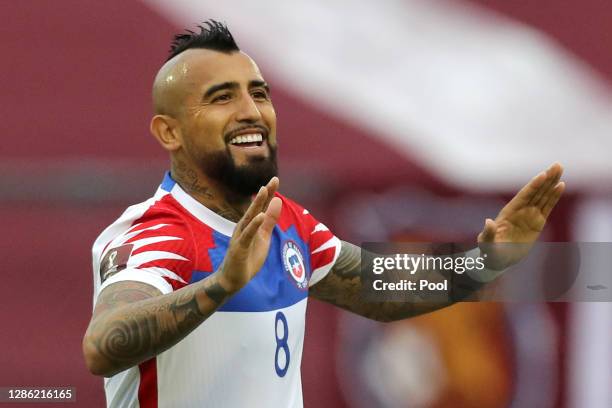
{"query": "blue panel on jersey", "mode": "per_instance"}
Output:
(273, 287)
(168, 182)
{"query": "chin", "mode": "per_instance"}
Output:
(240, 179)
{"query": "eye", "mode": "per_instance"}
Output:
(221, 98)
(260, 94)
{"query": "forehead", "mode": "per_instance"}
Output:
(202, 68)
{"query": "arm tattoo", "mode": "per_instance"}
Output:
(216, 292)
(342, 287)
(133, 321)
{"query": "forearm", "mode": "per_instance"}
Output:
(346, 292)
(344, 287)
(456, 288)
(123, 335)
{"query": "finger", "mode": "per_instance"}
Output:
(553, 175)
(246, 238)
(272, 215)
(553, 199)
(540, 191)
(256, 207)
(550, 174)
(543, 199)
(488, 232)
(525, 194)
(272, 187)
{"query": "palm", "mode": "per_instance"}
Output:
(522, 220)
(522, 225)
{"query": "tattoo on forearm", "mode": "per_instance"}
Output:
(186, 313)
(216, 292)
(342, 287)
(134, 322)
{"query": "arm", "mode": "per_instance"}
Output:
(342, 287)
(133, 321)
(520, 221)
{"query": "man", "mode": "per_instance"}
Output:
(201, 291)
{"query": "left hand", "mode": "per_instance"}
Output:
(522, 220)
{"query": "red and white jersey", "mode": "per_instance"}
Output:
(248, 353)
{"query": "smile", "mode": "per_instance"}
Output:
(248, 140)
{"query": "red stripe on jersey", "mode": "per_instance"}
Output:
(322, 258)
(176, 285)
(147, 389)
(292, 215)
(165, 211)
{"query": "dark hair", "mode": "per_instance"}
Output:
(215, 36)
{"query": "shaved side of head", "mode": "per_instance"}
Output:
(169, 87)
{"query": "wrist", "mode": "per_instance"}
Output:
(489, 271)
(231, 286)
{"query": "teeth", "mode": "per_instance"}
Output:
(250, 138)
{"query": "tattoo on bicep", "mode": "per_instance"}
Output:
(125, 293)
(342, 284)
(348, 264)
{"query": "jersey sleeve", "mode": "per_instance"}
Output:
(157, 249)
(324, 249)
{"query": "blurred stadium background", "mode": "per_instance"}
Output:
(408, 119)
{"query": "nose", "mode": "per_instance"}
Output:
(248, 110)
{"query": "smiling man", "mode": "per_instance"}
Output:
(200, 292)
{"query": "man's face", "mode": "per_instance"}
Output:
(227, 119)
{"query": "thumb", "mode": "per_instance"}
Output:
(488, 233)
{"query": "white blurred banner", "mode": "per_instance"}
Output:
(481, 101)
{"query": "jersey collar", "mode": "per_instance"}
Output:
(197, 209)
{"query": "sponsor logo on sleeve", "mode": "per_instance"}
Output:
(114, 261)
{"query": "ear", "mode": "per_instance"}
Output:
(167, 132)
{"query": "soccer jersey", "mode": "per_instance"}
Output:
(246, 354)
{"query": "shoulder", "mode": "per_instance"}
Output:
(290, 205)
(151, 242)
(156, 216)
(314, 232)
(295, 216)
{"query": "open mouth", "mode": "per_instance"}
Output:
(248, 140)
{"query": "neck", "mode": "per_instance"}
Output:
(209, 193)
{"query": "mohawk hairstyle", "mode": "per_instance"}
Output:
(213, 35)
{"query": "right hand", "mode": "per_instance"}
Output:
(248, 248)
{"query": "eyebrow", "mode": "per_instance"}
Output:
(233, 85)
(257, 83)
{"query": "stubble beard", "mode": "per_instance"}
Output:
(244, 180)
